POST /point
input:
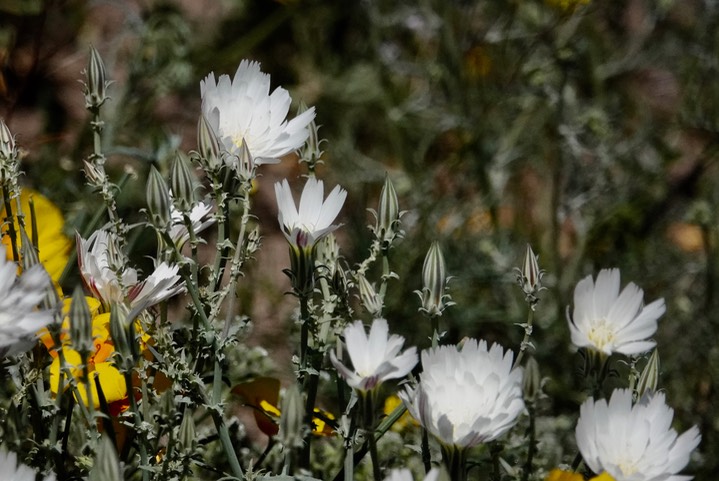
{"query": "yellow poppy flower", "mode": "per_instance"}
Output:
(53, 245)
(404, 420)
(262, 395)
(561, 475)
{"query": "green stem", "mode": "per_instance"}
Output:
(525, 342)
(368, 407)
(138, 423)
(528, 469)
(455, 460)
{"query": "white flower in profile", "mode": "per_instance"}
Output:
(609, 321)
(162, 284)
(19, 297)
(375, 358)
(243, 109)
(406, 475)
(11, 470)
(304, 227)
(199, 217)
(466, 397)
(99, 259)
(633, 442)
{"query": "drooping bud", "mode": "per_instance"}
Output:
(291, 419)
(434, 280)
(649, 378)
(106, 466)
(208, 145)
(96, 82)
(387, 226)
(181, 183)
(158, 199)
(531, 382)
(8, 150)
(529, 277)
(80, 323)
(372, 301)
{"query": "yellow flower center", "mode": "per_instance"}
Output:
(601, 334)
(628, 467)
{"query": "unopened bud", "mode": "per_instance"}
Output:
(158, 199)
(253, 241)
(531, 382)
(291, 419)
(94, 176)
(106, 466)
(8, 151)
(387, 227)
(208, 144)
(181, 183)
(121, 338)
(245, 164)
(649, 378)
(96, 81)
(80, 323)
(311, 153)
(434, 279)
(187, 437)
(370, 298)
(529, 277)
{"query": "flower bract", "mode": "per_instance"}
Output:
(608, 321)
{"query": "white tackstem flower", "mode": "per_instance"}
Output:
(608, 321)
(19, 298)
(313, 220)
(11, 470)
(633, 442)
(243, 108)
(199, 217)
(375, 358)
(406, 475)
(466, 397)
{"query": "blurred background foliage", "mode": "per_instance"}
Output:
(588, 129)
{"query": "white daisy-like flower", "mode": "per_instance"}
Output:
(11, 470)
(406, 475)
(304, 227)
(242, 108)
(99, 259)
(199, 217)
(163, 283)
(19, 297)
(466, 397)
(633, 442)
(609, 321)
(375, 358)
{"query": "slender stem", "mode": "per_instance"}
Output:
(368, 408)
(528, 469)
(138, 422)
(527, 335)
(10, 223)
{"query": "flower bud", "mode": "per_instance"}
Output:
(531, 382)
(187, 436)
(106, 466)
(434, 279)
(96, 81)
(181, 183)
(529, 277)
(291, 419)
(370, 298)
(120, 333)
(94, 176)
(649, 378)
(387, 226)
(80, 323)
(310, 153)
(245, 164)
(8, 150)
(208, 145)
(158, 199)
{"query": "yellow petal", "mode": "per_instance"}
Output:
(561, 475)
(605, 476)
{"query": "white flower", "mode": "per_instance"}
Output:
(375, 358)
(162, 284)
(466, 397)
(314, 219)
(19, 297)
(406, 475)
(100, 260)
(243, 109)
(633, 442)
(607, 321)
(11, 470)
(199, 217)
